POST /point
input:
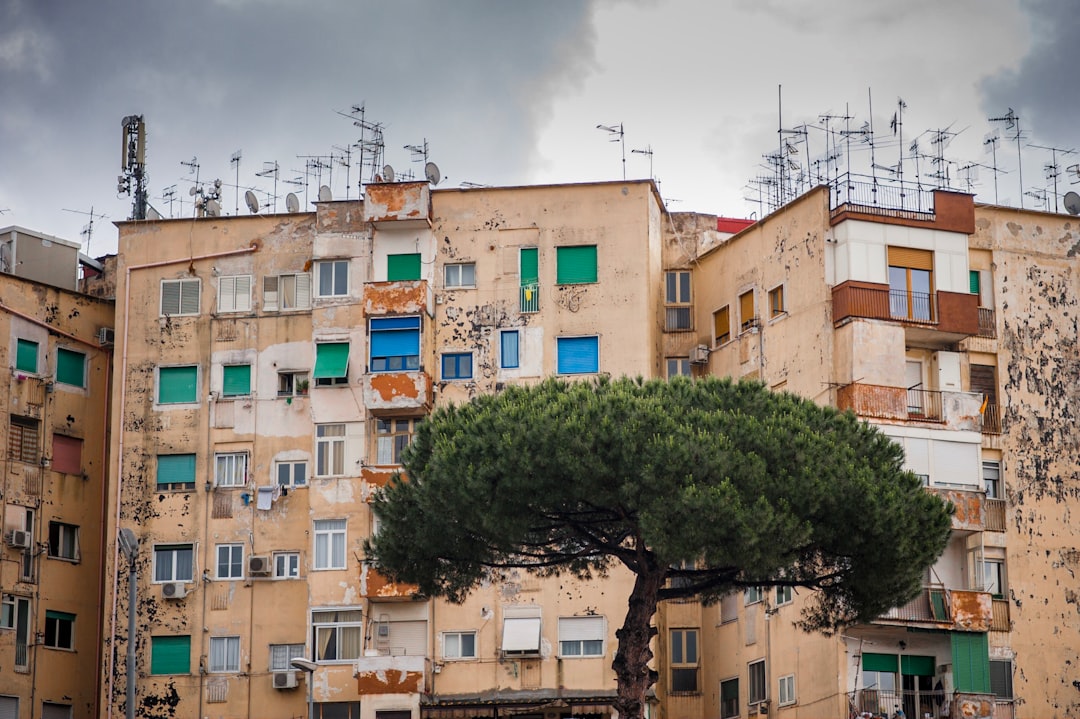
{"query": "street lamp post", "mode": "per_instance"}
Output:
(129, 547)
(308, 667)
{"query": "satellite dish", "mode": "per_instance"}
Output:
(431, 172)
(388, 173)
(213, 208)
(291, 203)
(325, 195)
(192, 191)
(152, 214)
(252, 202)
(1072, 203)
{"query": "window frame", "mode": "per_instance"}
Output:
(336, 626)
(339, 271)
(759, 682)
(330, 450)
(280, 295)
(397, 440)
(232, 652)
(158, 401)
(232, 568)
(235, 293)
(461, 366)
(235, 463)
(325, 558)
(784, 595)
(291, 651)
(292, 465)
(156, 659)
(786, 697)
(76, 356)
(504, 351)
(566, 255)
(747, 322)
(459, 282)
(735, 706)
(460, 656)
(335, 380)
(584, 645)
(725, 313)
(182, 296)
(293, 383)
(678, 301)
(679, 363)
(23, 347)
(172, 550)
(290, 564)
(55, 636)
(777, 303)
(992, 484)
(993, 573)
(24, 445)
(680, 659)
(396, 362)
(58, 546)
(753, 595)
(175, 486)
(74, 446)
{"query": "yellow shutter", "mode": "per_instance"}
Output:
(912, 258)
(746, 307)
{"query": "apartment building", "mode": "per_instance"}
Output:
(270, 371)
(57, 351)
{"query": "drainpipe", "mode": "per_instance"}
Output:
(120, 441)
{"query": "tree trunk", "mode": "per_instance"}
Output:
(631, 663)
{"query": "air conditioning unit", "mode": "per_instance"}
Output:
(259, 566)
(763, 708)
(174, 590)
(106, 335)
(19, 539)
(284, 680)
(699, 354)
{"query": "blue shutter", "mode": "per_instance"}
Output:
(578, 355)
(395, 336)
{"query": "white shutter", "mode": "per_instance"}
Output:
(242, 301)
(354, 448)
(409, 638)
(226, 296)
(270, 293)
(303, 291)
(170, 297)
(189, 297)
(521, 634)
(584, 629)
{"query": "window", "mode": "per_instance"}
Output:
(575, 265)
(911, 283)
(395, 344)
(236, 380)
(234, 294)
(783, 595)
(59, 630)
(348, 710)
(52, 710)
(463, 275)
(757, 688)
(677, 367)
(510, 349)
(26, 356)
(974, 282)
(786, 693)
(457, 365)
(67, 454)
(173, 563)
(15, 614)
(329, 450)
(63, 541)
(178, 385)
(776, 301)
(729, 608)
(224, 654)
(459, 645)
(338, 634)
(753, 595)
(684, 660)
(333, 278)
(1001, 678)
(521, 631)
(402, 268)
(292, 384)
(230, 469)
(971, 662)
(179, 297)
(175, 471)
(721, 326)
(292, 474)
(992, 479)
(879, 671)
(747, 318)
(529, 278)
(230, 561)
(282, 654)
(331, 364)
(329, 544)
(729, 699)
(170, 655)
(994, 577)
(581, 636)
(70, 367)
(577, 355)
(391, 437)
(678, 315)
(286, 565)
(287, 292)
(23, 439)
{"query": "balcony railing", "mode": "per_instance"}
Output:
(883, 703)
(678, 319)
(987, 323)
(931, 605)
(995, 515)
(999, 620)
(991, 423)
(869, 400)
(22, 656)
(530, 298)
(876, 197)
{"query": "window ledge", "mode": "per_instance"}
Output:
(694, 693)
(69, 560)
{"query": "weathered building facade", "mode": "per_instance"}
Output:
(53, 487)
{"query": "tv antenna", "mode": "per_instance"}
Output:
(1053, 170)
(1039, 195)
(419, 153)
(940, 140)
(133, 176)
(343, 158)
(648, 153)
(88, 230)
(1012, 121)
(371, 144)
(169, 195)
(830, 138)
(207, 199)
(271, 169)
(991, 140)
(616, 134)
(313, 167)
(235, 162)
(897, 126)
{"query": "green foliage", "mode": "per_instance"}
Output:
(755, 487)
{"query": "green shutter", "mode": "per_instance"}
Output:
(575, 265)
(170, 655)
(916, 666)
(973, 280)
(175, 468)
(403, 267)
(971, 662)
(70, 367)
(529, 268)
(879, 662)
(331, 360)
(64, 616)
(177, 384)
(26, 356)
(236, 380)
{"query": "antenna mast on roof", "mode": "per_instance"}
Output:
(271, 169)
(991, 140)
(343, 158)
(169, 195)
(616, 134)
(235, 162)
(1012, 120)
(133, 178)
(371, 143)
(648, 153)
(1053, 169)
(88, 230)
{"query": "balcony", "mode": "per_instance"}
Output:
(942, 608)
(405, 204)
(388, 674)
(882, 703)
(991, 423)
(956, 410)
(972, 508)
(875, 199)
(953, 314)
(398, 394)
(374, 585)
(530, 298)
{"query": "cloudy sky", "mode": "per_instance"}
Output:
(511, 92)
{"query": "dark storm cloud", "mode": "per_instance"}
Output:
(265, 76)
(1042, 88)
